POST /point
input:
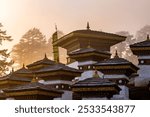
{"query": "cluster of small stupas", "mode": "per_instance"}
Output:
(90, 72)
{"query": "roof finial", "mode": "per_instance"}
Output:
(56, 27)
(45, 56)
(23, 66)
(116, 54)
(88, 26)
(12, 70)
(148, 37)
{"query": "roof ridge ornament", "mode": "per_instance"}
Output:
(45, 56)
(88, 26)
(23, 66)
(116, 54)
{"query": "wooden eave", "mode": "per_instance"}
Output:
(32, 92)
(140, 48)
(58, 73)
(89, 54)
(89, 89)
(75, 34)
(37, 66)
(106, 67)
(12, 82)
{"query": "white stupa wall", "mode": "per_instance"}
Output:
(57, 82)
(67, 95)
(73, 65)
(104, 98)
(86, 63)
(144, 76)
(123, 94)
(144, 71)
(89, 74)
(76, 63)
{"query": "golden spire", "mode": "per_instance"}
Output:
(23, 66)
(88, 26)
(95, 75)
(148, 37)
(56, 27)
(34, 79)
(45, 56)
(55, 48)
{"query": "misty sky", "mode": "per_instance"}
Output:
(18, 16)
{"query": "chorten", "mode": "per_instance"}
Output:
(55, 76)
(142, 51)
(118, 70)
(79, 39)
(94, 88)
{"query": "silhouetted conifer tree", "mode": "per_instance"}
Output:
(4, 55)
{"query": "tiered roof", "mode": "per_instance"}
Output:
(79, 39)
(31, 91)
(23, 70)
(57, 67)
(14, 77)
(95, 82)
(145, 43)
(41, 63)
(90, 34)
(117, 63)
(89, 50)
(94, 87)
(141, 48)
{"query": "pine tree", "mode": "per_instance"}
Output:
(32, 47)
(4, 62)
